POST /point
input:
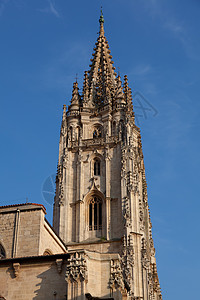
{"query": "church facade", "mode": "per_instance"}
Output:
(101, 242)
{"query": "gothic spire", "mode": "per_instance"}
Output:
(101, 73)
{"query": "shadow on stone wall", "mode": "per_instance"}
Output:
(52, 284)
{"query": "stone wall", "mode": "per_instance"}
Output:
(25, 232)
(38, 278)
(62, 276)
(49, 240)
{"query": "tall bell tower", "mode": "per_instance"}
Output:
(101, 190)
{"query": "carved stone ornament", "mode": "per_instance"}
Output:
(127, 263)
(116, 276)
(61, 193)
(150, 280)
(59, 263)
(59, 172)
(123, 163)
(107, 154)
(62, 130)
(65, 160)
(16, 269)
(127, 212)
(80, 156)
(77, 267)
(141, 215)
(145, 259)
(90, 297)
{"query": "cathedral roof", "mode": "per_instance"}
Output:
(24, 205)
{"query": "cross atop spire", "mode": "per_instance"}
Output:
(101, 21)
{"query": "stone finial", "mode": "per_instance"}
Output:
(119, 91)
(101, 21)
(128, 97)
(85, 88)
(64, 113)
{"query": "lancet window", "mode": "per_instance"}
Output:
(95, 214)
(122, 130)
(97, 167)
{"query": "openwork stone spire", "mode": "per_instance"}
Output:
(101, 74)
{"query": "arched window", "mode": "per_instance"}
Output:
(47, 252)
(77, 134)
(97, 167)
(95, 214)
(71, 133)
(2, 252)
(122, 130)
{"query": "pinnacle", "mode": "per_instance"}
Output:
(119, 92)
(75, 94)
(128, 97)
(101, 21)
(85, 88)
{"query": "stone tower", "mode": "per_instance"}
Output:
(101, 192)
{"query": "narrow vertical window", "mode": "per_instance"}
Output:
(90, 216)
(100, 215)
(97, 168)
(70, 133)
(95, 214)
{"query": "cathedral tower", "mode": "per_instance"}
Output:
(101, 192)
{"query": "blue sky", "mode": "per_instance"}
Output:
(45, 43)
